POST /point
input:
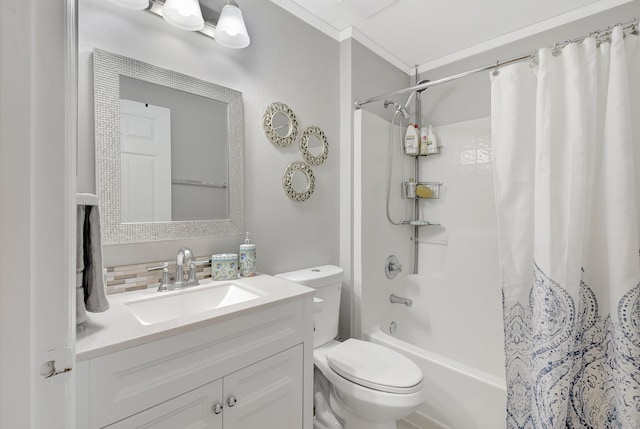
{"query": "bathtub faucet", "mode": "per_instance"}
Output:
(395, 299)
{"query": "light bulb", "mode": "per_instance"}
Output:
(184, 14)
(231, 30)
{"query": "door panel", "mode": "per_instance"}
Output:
(268, 394)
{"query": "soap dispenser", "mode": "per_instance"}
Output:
(247, 258)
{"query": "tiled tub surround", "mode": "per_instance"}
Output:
(125, 278)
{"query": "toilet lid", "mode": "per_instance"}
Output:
(374, 366)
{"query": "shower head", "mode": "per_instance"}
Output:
(405, 109)
(402, 110)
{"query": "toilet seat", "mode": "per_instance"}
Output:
(375, 367)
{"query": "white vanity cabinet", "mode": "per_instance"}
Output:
(249, 371)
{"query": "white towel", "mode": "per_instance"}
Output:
(89, 263)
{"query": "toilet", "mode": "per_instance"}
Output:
(357, 384)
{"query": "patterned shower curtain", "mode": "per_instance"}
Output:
(566, 139)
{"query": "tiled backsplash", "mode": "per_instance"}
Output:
(126, 278)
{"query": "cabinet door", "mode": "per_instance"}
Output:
(194, 409)
(267, 394)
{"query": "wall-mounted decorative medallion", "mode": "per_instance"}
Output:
(280, 124)
(314, 145)
(298, 181)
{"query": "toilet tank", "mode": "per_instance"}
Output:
(327, 281)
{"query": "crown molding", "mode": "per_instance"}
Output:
(356, 34)
(340, 36)
(301, 13)
(531, 30)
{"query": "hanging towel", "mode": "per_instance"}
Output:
(81, 314)
(91, 291)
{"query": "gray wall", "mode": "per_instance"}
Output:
(363, 74)
(372, 76)
(287, 61)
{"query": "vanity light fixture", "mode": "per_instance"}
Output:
(231, 30)
(228, 29)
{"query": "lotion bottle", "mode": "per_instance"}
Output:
(432, 143)
(411, 140)
(424, 141)
(247, 258)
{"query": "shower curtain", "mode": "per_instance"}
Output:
(566, 141)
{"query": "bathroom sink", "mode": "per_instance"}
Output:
(181, 303)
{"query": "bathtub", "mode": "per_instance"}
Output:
(458, 396)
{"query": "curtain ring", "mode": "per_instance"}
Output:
(495, 71)
(555, 51)
(534, 59)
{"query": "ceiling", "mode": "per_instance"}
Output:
(429, 33)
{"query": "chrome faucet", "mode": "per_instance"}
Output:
(395, 299)
(184, 254)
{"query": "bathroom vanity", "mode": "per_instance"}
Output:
(190, 358)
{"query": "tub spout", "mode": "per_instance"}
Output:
(395, 299)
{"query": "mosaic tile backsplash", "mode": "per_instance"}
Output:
(126, 278)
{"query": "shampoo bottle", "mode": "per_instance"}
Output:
(411, 140)
(247, 258)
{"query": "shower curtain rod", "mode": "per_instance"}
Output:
(598, 33)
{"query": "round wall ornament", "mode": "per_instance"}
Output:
(280, 124)
(314, 145)
(298, 181)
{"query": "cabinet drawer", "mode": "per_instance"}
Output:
(133, 380)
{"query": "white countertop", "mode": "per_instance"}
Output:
(118, 329)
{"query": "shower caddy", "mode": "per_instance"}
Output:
(434, 187)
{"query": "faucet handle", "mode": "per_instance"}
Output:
(392, 267)
(193, 279)
(162, 266)
(164, 283)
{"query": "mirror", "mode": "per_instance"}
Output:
(280, 124)
(168, 153)
(298, 181)
(314, 145)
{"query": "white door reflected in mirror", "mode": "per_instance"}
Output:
(145, 162)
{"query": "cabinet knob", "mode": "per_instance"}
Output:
(231, 401)
(217, 408)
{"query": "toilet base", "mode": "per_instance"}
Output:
(352, 421)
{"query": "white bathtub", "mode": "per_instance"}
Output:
(458, 396)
